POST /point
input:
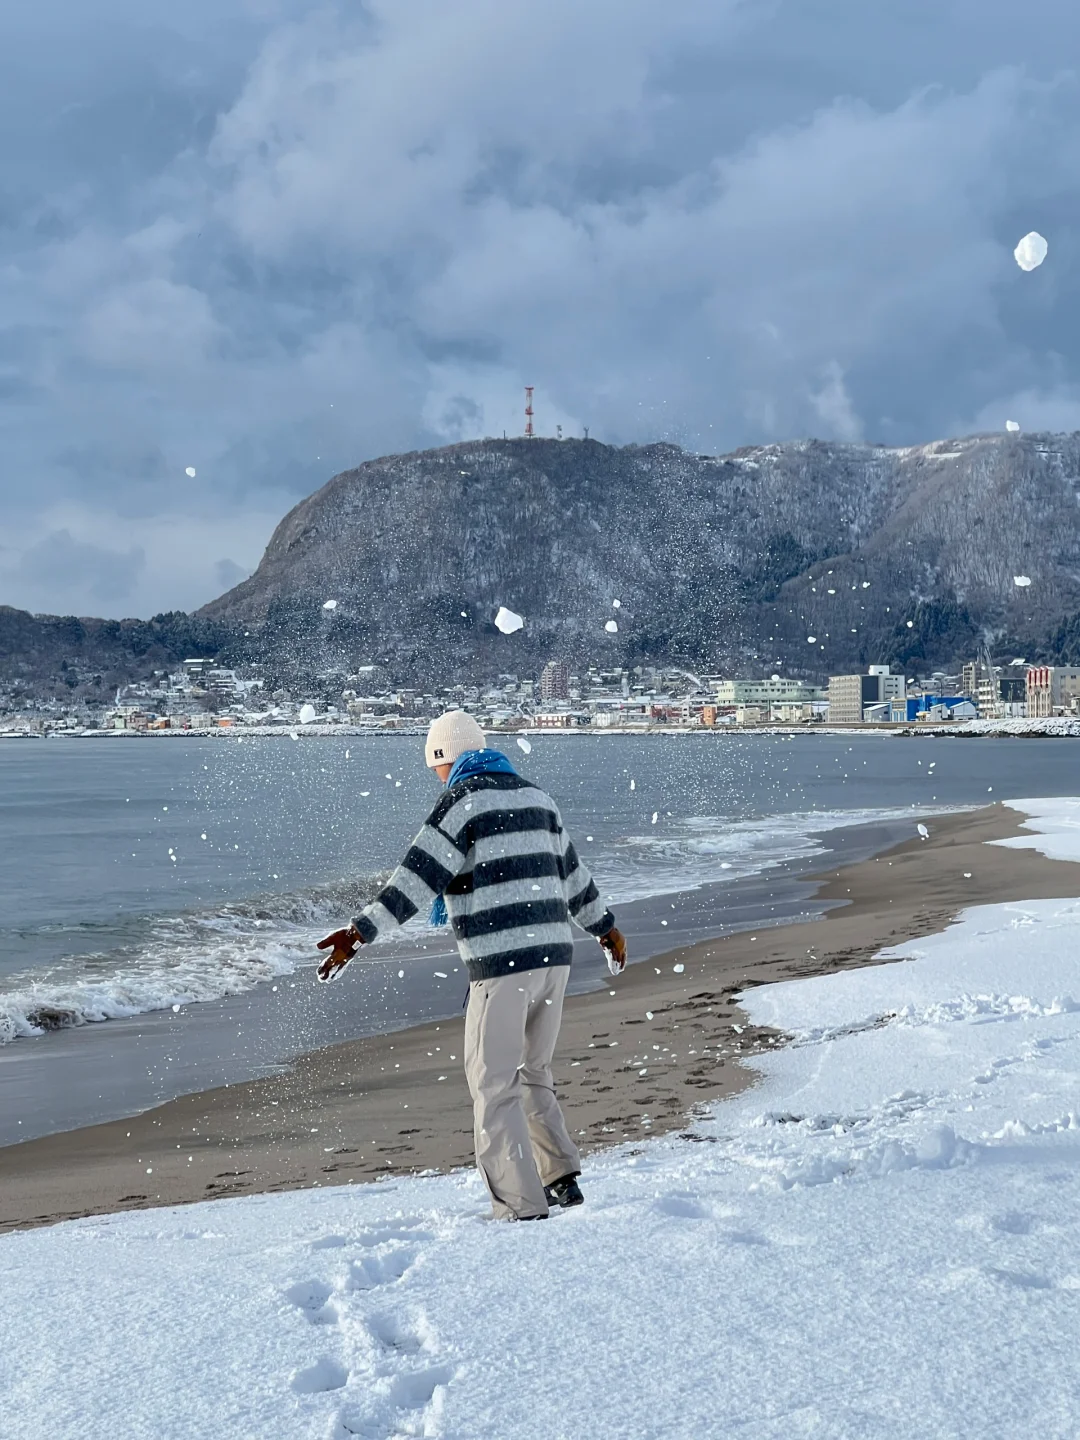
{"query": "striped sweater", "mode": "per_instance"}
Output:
(495, 846)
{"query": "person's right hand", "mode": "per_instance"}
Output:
(614, 946)
(345, 943)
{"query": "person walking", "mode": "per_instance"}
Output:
(494, 858)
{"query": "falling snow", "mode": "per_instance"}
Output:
(1031, 251)
(507, 621)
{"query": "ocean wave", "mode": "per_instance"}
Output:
(716, 849)
(180, 960)
(185, 959)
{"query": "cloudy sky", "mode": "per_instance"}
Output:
(268, 239)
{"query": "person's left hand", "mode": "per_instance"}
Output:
(614, 947)
(344, 945)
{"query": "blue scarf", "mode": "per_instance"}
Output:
(473, 762)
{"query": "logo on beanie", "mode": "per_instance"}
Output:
(438, 754)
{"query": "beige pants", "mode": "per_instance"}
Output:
(522, 1143)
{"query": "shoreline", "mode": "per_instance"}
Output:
(82, 1075)
(397, 1104)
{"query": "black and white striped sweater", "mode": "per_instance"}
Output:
(495, 846)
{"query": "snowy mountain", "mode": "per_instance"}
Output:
(909, 555)
(730, 562)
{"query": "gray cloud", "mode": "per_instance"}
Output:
(60, 568)
(270, 239)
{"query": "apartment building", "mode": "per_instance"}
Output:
(1052, 690)
(851, 695)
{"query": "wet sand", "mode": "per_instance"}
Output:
(395, 1104)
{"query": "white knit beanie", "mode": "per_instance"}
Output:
(450, 736)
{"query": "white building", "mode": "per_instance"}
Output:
(775, 691)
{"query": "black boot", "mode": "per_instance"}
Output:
(565, 1192)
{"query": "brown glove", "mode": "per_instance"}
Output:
(345, 945)
(614, 946)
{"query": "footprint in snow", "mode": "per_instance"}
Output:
(1021, 1279)
(414, 1399)
(1013, 1222)
(325, 1374)
(393, 1335)
(312, 1297)
(406, 1230)
(682, 1207)
(371, 1271)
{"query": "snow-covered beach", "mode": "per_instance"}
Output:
(877, 1239)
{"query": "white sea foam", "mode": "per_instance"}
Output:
(707, 850)
(182, 960)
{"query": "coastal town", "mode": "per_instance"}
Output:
(202, 697)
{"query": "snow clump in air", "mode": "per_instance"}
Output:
(1011, 425)
(616, 604)
(924, 832)
(612, 627)
(811, 639)
(190, 472)
(523, 744)
(1031, 252)
(329, 605)
(507, 621)
(1022, 580)
(307, 714)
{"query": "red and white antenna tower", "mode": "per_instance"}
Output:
(528, 412)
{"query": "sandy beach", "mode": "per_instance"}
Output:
(634, 1059)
